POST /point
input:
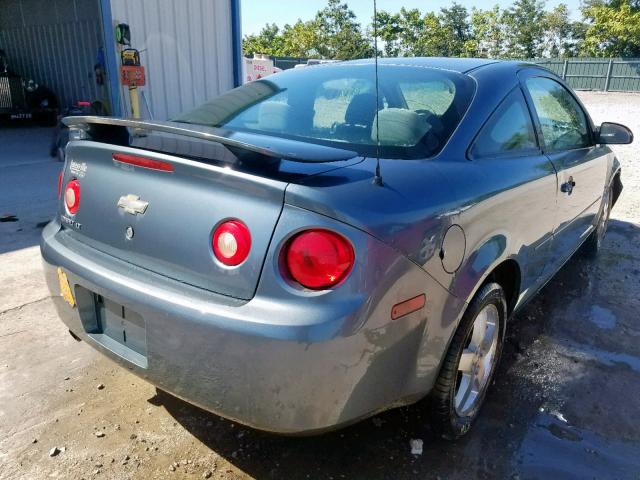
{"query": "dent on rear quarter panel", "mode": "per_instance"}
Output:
(391, 356)
(410, 214)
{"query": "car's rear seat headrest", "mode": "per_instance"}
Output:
(399, 127)
(274, 116)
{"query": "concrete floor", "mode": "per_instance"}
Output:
(565, 403)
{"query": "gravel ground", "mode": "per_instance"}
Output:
(565, 403)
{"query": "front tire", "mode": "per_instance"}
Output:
(593, 244)
(470, 363)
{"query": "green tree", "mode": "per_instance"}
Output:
(560, 33)
(413, 30)
(416, 31)
(300, 40)
(488, 32)
(410, 33)
(389, 30)
(434, 41)
(333, 33)
(454, 22)
(524, 28)
(339, 34)
(613, 29)
(269, 41)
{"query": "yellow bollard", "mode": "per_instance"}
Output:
(135, 102)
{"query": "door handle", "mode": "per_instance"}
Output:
(567, 187)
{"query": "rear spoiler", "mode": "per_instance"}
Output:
(269, 146)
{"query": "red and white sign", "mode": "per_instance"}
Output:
(258, 67)
(132, 76)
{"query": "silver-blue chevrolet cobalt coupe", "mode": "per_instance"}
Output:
(318, 246)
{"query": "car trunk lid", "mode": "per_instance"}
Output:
(162, 219)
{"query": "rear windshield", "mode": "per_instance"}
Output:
(335, 105)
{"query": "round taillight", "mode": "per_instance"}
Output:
(319, 259)
(231, 242)
(72, 196)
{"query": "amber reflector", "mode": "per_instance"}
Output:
(408, 306)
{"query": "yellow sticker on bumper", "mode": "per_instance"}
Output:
(65, 289)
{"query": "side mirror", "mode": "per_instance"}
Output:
(614, 134)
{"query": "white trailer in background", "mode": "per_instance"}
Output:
(258, 67)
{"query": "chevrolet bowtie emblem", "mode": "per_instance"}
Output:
(132, 204)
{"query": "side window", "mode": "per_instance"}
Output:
(563, 122)
(508, 131)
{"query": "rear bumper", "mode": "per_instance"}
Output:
(248, 360)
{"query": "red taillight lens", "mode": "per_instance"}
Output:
(60, 182)
(143, 162)
(231, 242)
(319, 259)
(72, 196)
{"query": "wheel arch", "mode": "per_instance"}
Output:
(504, 270)
(493, 260)
(616, 186)
(509, 276)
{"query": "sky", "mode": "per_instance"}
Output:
(255, 13)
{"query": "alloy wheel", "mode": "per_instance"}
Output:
(477, 360)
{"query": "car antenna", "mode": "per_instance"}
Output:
(377, 179)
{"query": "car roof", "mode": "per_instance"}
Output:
(460, 65)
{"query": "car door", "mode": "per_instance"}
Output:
(524, 179)
(568, 141)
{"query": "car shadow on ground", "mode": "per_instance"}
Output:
(548, 412)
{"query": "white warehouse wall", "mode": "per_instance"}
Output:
(186, 47)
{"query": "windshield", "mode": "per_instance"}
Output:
(335, 105)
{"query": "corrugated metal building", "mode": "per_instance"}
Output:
(55, 43)
(190, 49)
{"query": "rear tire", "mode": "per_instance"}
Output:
(470, 363)
(593, 244)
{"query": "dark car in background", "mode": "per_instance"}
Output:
(329, 242)
(23, 99)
